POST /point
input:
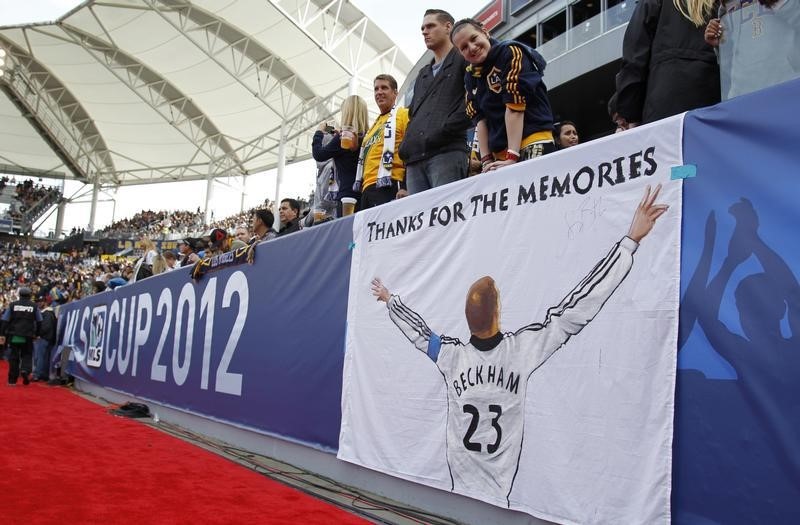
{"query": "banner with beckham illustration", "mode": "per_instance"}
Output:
(512, 337)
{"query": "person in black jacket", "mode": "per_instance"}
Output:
(43, 347)
(289, 213)
(20, 325)
(434, 147)
(667, 67)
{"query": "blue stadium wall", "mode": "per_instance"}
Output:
(261, 346)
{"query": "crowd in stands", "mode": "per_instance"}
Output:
(59, 278)
(27, 196)
(33, 278)
(55, 280)
(156, 223)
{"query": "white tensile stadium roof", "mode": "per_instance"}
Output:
(126, 92)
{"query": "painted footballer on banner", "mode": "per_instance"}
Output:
(487, 377)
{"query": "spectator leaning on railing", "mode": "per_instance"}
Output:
(220, 241)
(506, 96)
(188, 251)
(566, 134)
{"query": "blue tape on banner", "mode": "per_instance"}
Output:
(683, 172)
(351, 246)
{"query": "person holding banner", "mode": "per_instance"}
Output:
(486, 378)
(506, 96)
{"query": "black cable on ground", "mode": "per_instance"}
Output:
(360, 503)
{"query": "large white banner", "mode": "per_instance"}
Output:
(510, 340)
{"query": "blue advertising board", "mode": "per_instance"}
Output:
(258, 345)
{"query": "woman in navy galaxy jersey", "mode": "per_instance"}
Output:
(506, 97)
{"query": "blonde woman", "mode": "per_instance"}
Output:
(149, 249)
(355, 123)
(159, 264)
(667, 67)
(144, 267)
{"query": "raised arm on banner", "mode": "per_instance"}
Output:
(379, 291)
(646, 214)
(410, 323)
(584, 302)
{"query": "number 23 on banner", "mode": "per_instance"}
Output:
(496, 411)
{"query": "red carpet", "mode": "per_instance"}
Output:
(64, 459)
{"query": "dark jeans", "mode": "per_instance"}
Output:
(375, 196)
(20, 359)
(42, 350)
(437, 171)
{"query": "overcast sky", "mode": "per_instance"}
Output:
(401, 22)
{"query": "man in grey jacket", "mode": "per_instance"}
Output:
(434, 148)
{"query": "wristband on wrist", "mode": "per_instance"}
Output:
(512, 155)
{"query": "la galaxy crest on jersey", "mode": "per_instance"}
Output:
(387, 159)
(493, 80)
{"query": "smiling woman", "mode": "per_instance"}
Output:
(506, 97)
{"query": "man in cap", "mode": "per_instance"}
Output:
(187, 248)
(20, 324)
